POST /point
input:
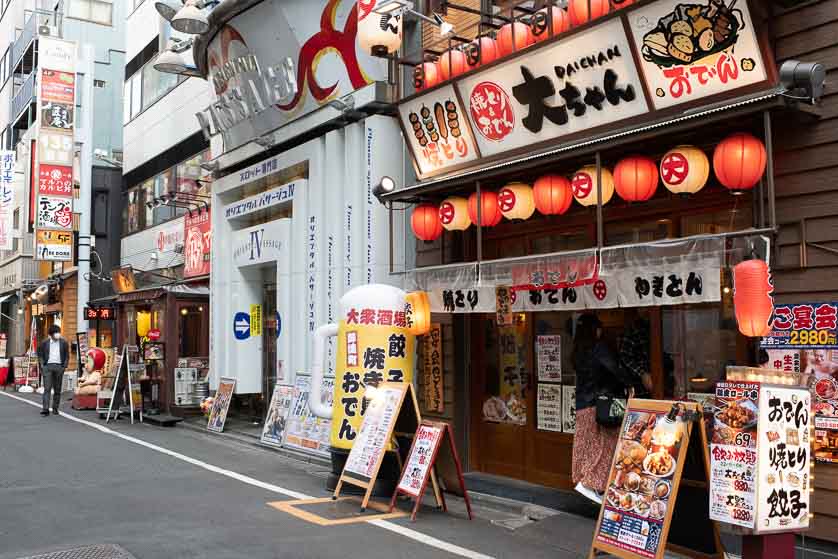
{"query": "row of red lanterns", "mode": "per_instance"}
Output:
(511, 38)
(738, 162)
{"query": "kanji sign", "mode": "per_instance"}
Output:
(803, 326)
(491, 111)
(55, 180)
(433, 370)
(197, 244)
(57, 115)
(54, 212)
(7, 195)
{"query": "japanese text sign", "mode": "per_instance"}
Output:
(54, 212)
(55, 180)
(59, 87)
(683, 282)
(691, 51)
(803, 326)
(372, 441)
(416, 470)
(549, 407)
(197, 244)
(433, 370)
(53, 245)
(548, 357)
(7, 196)
(437, 131)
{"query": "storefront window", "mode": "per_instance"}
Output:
(507, 371)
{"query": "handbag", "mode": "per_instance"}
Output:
(610, 410)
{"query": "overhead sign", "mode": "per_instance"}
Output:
(55, 180)
(803, 326)
(197, 244)
(282, 194)
(261, 243)
(54, 212)
(7, 199)
(55, 246)
(241, 325)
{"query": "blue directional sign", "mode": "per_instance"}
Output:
(241, 325)
(278, 324)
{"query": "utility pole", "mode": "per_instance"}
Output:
(85, 137)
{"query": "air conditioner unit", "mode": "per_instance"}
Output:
(44, 30)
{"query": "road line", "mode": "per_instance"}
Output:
(386, 525)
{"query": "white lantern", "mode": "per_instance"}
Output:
(378, 34)
(584, 186)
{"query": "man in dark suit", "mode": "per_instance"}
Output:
(53, 354)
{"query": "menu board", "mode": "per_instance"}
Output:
(549, 407)
(304, 430)
(733, 448)
(420, 460)
(783, 493)
(637, 508)
(373, 437)
(548, 358)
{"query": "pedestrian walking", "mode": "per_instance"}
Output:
(53, 355)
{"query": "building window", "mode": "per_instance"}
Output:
(156, 84)
(97, 11)
(100, 84)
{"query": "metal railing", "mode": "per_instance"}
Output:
(23, 96)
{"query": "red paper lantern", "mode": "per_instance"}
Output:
(636, 178)
(426, 76)
(578, 10)
(452, 63)
(739, 161)
(540, 23)
(752, 301)
(426, 223)
(553, 194)
(523, 38)
(481, 51)
(490, 214)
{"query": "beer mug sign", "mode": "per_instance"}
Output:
(376, 343)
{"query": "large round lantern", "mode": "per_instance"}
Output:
(378, 34)
(636, 178)
(516, 201)
(752, 301)
(425, 222)
(578, 10)
(452, 63)
(553, 194)
(584, 187)
(481, 51)
(684, 170)
(739, 161)
(489, 209)
(507, 44)
(453, 214)
(417, 309)
(540, 23)
(426, 76)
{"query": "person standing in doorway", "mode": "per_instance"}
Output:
(53, 355)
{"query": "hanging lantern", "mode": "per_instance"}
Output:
(425, 222)
(739, 161)
(540, 23)
(684, 170)
(507, 44)
(426, 76)
(584, 186)
(578, 10)
(636, 178)
(489, 209)
(453, 214)
(378, 34)
(481, 51)
(452, 63)
(516, 201)
(553, 194)
(417, 310)
(752, 301)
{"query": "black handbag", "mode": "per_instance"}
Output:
(610, 410)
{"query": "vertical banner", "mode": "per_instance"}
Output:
(7, 174)
(197, 239)
(433, 371)
(53, 213)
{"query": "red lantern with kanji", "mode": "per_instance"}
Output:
(540, 23)
(578, 10)
(752, 301)
(481, 51)
(636, 178)
(553, 194)
(490, 214)
(507, 44)
(426, 75)
(516, 201)
(452, 63)
(739, 161)
(425, 222)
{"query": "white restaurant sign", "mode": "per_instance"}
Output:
(282, 194)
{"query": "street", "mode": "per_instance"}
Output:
(71, 481)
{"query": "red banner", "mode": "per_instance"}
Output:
(197, 244)
(58, 86)
(55, 180)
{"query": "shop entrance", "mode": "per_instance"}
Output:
(269, 364)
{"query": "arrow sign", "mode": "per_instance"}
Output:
(241, 325)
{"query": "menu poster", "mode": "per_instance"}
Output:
(783, 493)
(503, 305)
(273, 431)
(3, 343)
(304, 430)
(548, 358)
(549, 407)
(733, 448)
(419, 461)
(826, 439)
(568, 408)
(21, 368)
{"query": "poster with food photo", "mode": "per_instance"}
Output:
(825, 447)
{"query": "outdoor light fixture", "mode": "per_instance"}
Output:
(40, 292)
(168, 8)
(401, 7)
(191, 18)
(803, 80)
(171, 60)
(385, 186)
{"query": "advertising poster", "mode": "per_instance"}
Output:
(373, 436)
(691, 51)
(825, 445)
(197, 244)
(549, 407)
(221, 405)
(3, 342)
(568, 408)
(304, 430)
(510, 405)
(433, 371)
(7, 195)
(548, 358)
(58, 87)
(21, 369)
(784, 415)
(637, 500)
(503, 306)
(427, 440)
(273, 432)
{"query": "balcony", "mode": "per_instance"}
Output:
(23, 103)
(23, 50)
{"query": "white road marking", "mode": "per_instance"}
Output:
(395, 528)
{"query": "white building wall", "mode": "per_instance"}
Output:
(144, 25)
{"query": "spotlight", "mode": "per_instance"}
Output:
(803, 79)
(385, 186)
(191, 19)
(168, 8)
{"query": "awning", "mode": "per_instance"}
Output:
(706, 116)
(155, 292)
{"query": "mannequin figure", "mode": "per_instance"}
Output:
(89, 382)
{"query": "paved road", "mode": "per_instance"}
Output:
(163, 493)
